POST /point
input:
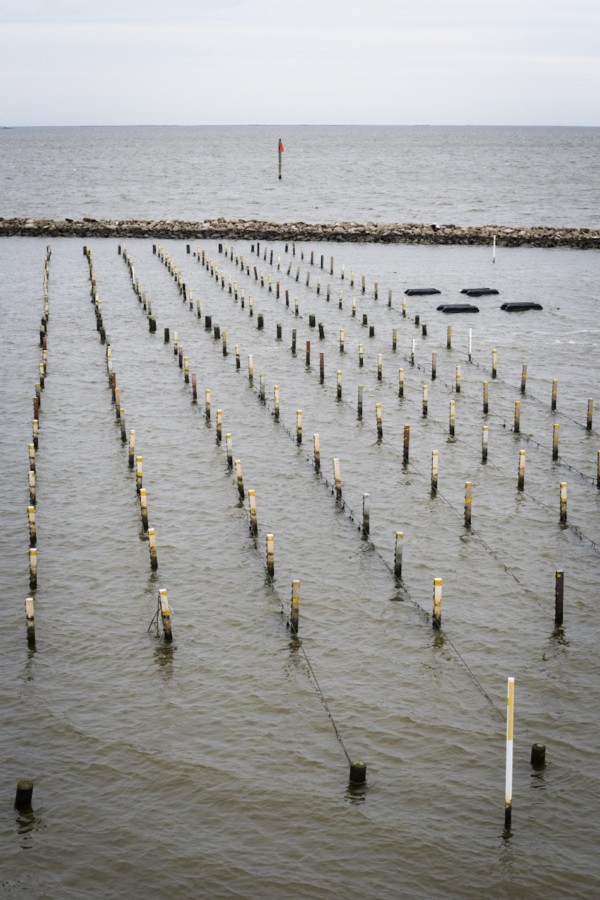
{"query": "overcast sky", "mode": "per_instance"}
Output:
(187, 62)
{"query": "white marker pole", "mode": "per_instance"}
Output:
(510, 714)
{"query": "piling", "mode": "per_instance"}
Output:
(379, 366)
(298, 426)
(379, 418)
(342, 339)
(321, 368)
(425, 400)
(293, 348)
(401, 382)
(337, 477)
(398, 554)
(590, 411)
(521, 478)
(359, 410)
(554, 395)
(406, 446)
(412, 353)
(262, 387)
(279, 332)
(238, 361)
(517, 423)
(239, 478)
(219, 425)
(559, 593)
(139, 474)
(433, 366)
(452, 418)
(494, 363)
(437, 603)
(361, 355)
(165, 614)
(252, 511)
(510, 713)
(555, 437)
(468, 503)
(250, 369)
(24, 795)
(538, 756)
(339, 384)
(295, 607)
(434, 471)
(32, 491)
(207, 393)
(228, 450)
(317, 452)
(270, 541)
(276, 402)
(32, 528)
(470, 345)
(523, 379)
(307, 360)
(485, 434)
(366, 522)
(486, 397)
(449, 337)
(30, 621)
(35, 433)
(563, 502)
(32, 568)
(153, 551)
(32, 457)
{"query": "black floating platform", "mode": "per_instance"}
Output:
(479, 292)
(420, 292)
(520, 307)
(458, 308)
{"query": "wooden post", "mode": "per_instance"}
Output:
(449, 338)
(32, 528)
(250, 369)
(597, 469)
(293, 342)
(394, 338)
(262, 387)
(270, 540)
(521, 479)
(554, 395)
(298, 426)
(523, 379)
(379, 419)
(30, 621)
(32, 498)
(494, 363)
(563, 502)
(219, 425)
(486, 397)
(470, 344)
(239, 478)
(406, 447)
(559, 593)
(379, 366)
(434, 471)
(485, 435)
(437, 603)
(321, 368)
(433, 366)
(468, 503)
(317, 452)
(165, 614)
(32, 457)
(131, 454)
(360, 401)
(228, 450)
(339, 384)
(361, 355)
(207, 394)
(452, 418)
(153, 551)
(517, 425)
(144, 508)
(425, 400)
(307, 354)
(238, 361)
(401, 382)
(139, 472)
(276, 402)
(295, 607)
(590, 412)
(366, 523)
(404, 306)
(337, 477)
(398, 554)
(252, 508)
(510, 714)
(35, 433)
(194, 388)
(555, 437)
(412, 354)
(342, 339)
(23, 796)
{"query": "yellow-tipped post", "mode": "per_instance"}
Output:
(437, 603)
(153, 550)
(270, 541)
(295, 607)
(510, 717)
(252, 512)
(165, 614)
(563, 502)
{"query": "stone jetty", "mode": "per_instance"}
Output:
(244, 229)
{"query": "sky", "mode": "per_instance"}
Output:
(194, 62)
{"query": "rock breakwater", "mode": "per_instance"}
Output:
(371, 232)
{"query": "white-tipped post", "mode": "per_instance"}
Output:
(510, 719)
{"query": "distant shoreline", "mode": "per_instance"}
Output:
(339, 232)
